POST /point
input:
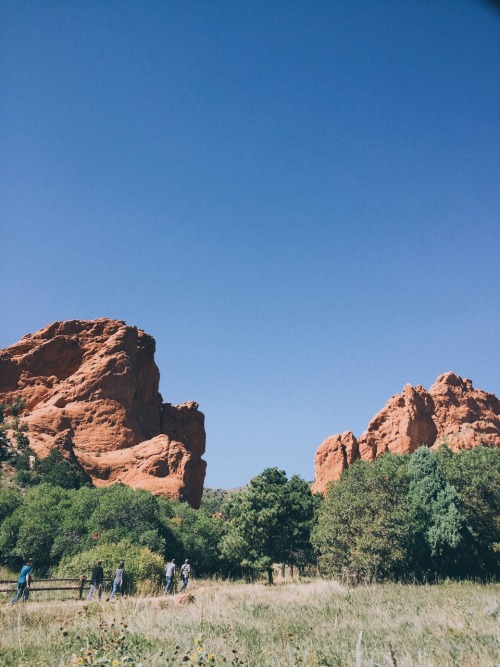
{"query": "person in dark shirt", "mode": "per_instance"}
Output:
(24, 582)
(96, 581)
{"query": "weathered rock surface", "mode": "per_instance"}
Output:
(452, 412)
(91, 390)
(334, 455)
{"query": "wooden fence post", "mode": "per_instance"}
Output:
(82, 585)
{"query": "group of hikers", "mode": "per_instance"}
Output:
(170, 571)
(97, 580)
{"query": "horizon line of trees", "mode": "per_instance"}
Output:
(418, 517)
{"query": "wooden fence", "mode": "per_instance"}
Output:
(79, 584)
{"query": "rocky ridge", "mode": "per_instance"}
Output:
(451, 412)
(91, 391)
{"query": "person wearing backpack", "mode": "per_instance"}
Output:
(185, 572)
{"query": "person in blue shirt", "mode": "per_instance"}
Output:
(24, 582)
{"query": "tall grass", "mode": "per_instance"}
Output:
(320, 623)
(8, 575)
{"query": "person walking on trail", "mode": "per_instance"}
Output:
(169, 575)
(118, 581)
(185, 572)
(23, 582)
(96, 581)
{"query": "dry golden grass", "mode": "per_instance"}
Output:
(319, 623)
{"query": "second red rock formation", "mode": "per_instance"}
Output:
(452, 412)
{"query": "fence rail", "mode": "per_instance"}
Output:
(80, 583)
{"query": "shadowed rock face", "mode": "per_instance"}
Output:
(91, 389)
(452, 412)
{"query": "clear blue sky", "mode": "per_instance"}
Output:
(299, 200)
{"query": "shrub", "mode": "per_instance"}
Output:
(143, 568)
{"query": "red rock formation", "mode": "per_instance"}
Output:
(452, 412)
(334, 455)
(465, 417)
(91, 389)
(403, 425)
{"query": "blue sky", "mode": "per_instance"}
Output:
(298, 199)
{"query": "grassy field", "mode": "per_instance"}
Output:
(316, 623)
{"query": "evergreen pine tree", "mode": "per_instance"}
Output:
(437, 503)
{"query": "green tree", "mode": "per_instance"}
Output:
(75, 531)
(475, 474)
(17, 406)
(5, 444)
(31, 529)
(133, 514)
(124, 509)
(4, 440)
(366, 526)
(16, 425)
(268, 522)
(439, 506)
(50, 522)
(9, 502)
(200, 535)
(55, 469)
(301, 507)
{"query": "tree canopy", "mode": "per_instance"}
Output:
(431, 514)
(269, 522)
(419, 517)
